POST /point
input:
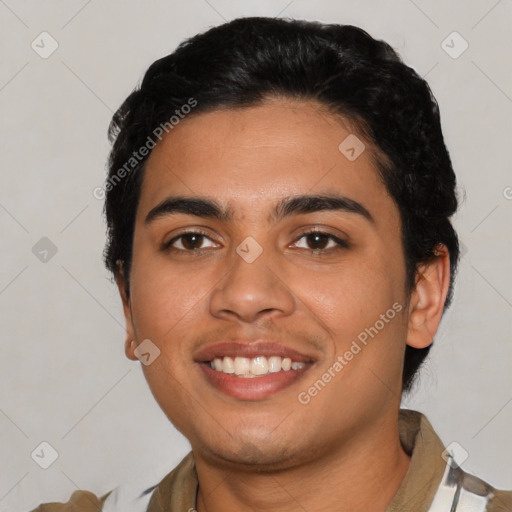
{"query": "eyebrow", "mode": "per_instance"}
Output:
(294, 205)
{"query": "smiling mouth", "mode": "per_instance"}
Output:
(252, 369)
(258, 366)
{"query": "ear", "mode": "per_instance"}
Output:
(129, 343)
(428, 298)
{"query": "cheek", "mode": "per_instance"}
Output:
(165, 296)
(352, 297)
(168, 305)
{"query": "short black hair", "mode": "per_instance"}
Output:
(248, 60)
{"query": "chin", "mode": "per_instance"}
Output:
(252, 456)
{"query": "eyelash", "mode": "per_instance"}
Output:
(341, 244)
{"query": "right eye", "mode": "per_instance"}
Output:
(189, 241)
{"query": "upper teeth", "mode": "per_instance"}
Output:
(260, 365)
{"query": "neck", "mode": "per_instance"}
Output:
(363, 473)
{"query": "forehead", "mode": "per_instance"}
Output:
(248, 158)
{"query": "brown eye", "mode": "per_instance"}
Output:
(188, 242)
(192, 241)
(318, 241)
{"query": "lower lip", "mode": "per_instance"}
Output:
(256, 388)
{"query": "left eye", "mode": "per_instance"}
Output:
(190, 241)
(321, 241)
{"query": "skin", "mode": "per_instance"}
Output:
(275, 453)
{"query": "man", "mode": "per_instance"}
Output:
(278, 207)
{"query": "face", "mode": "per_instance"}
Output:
(315, 282)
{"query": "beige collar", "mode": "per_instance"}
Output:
(178, 490)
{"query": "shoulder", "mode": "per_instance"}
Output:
(462, 491)
(501, 501)
(80, 501)
(435, 478)
(148, 492)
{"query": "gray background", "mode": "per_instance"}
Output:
(64, 377)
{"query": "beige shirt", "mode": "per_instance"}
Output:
(178, 489)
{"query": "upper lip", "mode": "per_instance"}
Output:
(249, 349)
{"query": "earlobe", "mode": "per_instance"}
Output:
(428, 298)
(129, 349)
(130, 343)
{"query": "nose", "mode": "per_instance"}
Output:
(250, 291)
